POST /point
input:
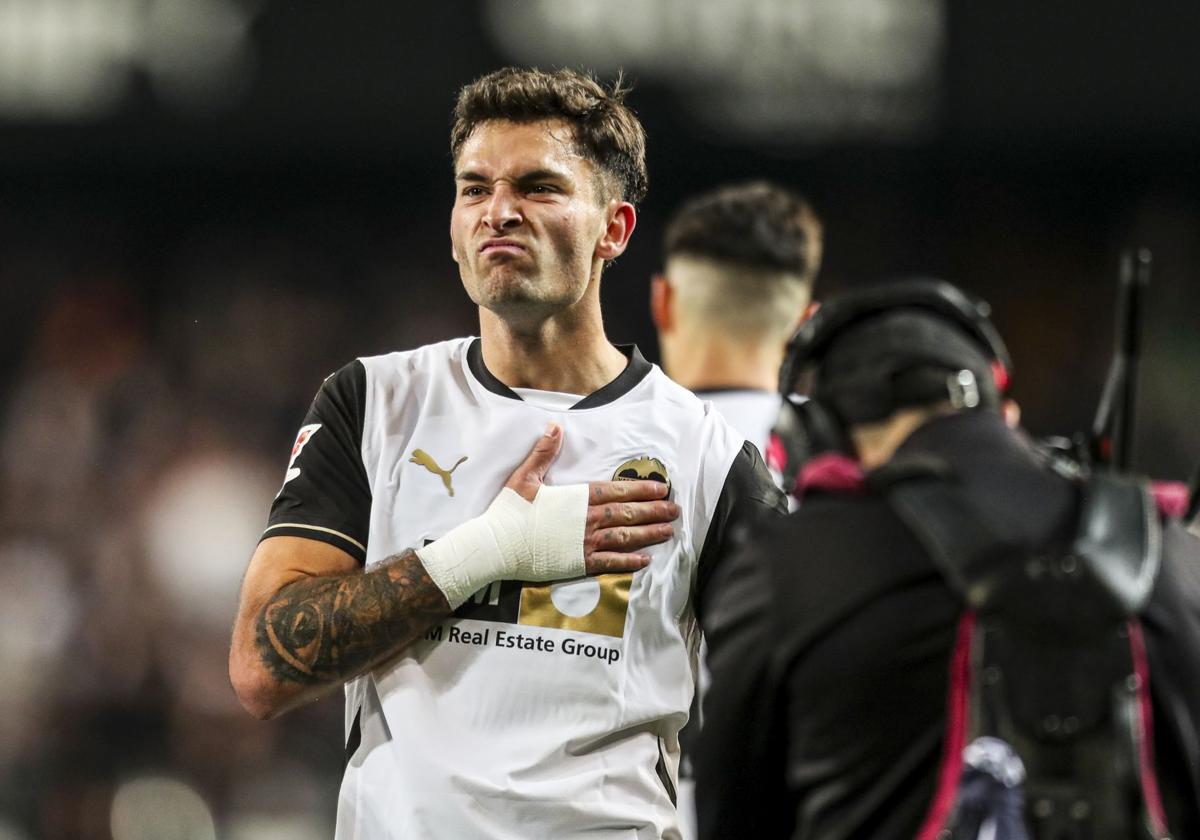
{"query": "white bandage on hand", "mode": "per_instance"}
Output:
(512, 540)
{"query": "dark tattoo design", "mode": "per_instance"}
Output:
(319, 630)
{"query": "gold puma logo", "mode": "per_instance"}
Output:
(420, 456)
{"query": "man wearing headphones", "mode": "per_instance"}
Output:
(956, 635)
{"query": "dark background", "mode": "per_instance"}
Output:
(176, 280)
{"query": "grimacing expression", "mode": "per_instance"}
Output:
(527, 218)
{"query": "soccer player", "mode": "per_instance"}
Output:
(739, 267)
(492, 689)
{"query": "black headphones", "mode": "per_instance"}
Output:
(918, 369)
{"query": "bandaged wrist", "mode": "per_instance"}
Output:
(512, 540)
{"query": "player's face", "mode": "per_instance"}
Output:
(527, 219)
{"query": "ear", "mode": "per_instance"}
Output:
(661, 300)
(622, 219)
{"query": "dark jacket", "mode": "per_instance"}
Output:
(830, 639)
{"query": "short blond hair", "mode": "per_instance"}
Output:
(747, 303)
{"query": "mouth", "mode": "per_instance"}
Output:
(502, 246)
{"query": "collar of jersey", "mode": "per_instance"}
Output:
(730, 389)
(635, 371)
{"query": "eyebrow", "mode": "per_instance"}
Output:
(523, 178)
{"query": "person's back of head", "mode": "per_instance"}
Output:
(739, 267)
(880, 361)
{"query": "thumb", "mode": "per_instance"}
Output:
(527, 479)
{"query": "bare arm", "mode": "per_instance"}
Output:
(323, 629)
(310, 618)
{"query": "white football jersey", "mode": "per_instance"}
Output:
(538, 710)
(752, 412)
(755, 414)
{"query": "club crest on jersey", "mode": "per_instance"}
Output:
(424, 459)
(642, 468)
(302, 439)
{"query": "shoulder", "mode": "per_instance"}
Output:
(666, 391)
(395, 376)
(822, 565)
(688, 411)
(832, 538)
(439, 356)
(394, 385)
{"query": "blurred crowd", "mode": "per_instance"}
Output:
(144, 430)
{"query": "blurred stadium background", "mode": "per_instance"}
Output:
(208, 205)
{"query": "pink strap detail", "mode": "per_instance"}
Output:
(1171, 497)
(1150, 791)
(831, 471)
(776, 454)
(956, 732)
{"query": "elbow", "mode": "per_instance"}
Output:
(259, 706)
(255, 690)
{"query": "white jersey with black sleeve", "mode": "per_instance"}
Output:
(537, 709)
(751, 411)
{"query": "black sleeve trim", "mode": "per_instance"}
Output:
(749, 499)
(355, 739)
(321, 534)
(326, 495)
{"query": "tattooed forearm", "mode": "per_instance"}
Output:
(319, 630)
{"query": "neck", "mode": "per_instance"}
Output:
(876, 443)
(567, 352)
(701, 363)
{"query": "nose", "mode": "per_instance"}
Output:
(503, 211)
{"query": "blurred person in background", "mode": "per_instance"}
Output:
(739, 267)
(844, 701)
(492, 688)
(740, 262)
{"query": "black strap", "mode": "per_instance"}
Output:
(1051, 661)
(1105, 575)
(924, 494)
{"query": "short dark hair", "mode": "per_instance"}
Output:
(756, 225)
(607, 132)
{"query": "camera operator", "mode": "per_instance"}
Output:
(848, 697)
